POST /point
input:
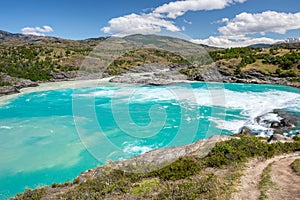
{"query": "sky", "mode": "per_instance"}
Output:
(222, 23)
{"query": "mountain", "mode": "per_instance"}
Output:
(261, 45)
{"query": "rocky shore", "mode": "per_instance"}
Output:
(154, 74)
(13, 85)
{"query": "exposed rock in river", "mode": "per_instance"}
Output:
(275, 122)
(151, 74)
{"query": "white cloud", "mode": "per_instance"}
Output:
(223, 20)
(39, 31)
(187, 22)
(268, 21)
(236, 31)
(133, 24)
(178, 8)
(234, 41)
(156, 20)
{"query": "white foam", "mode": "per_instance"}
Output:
(6, 127)
(232, 126)
(135, 148)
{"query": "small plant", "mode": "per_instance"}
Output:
(296, 166)
(145, 186)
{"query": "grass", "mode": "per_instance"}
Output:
(145, 186)
(265, 182)
(296, 166)
(263, 68)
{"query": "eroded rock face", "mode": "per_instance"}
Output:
(6, 90)
(151, 74)
(15, 84)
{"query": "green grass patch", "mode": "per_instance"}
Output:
(265, 182)
(144, 186)
(296, 166)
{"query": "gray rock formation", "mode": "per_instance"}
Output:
(279, 138)
(151, 74)
(15, 84)
(159, 158)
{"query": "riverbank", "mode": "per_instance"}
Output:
(151, 74)
(209, 168)
(55, 86)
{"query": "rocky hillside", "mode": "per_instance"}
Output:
(41, 59)
(279, 64)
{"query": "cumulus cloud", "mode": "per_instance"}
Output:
(238, 31)
(133, 24)
(268, 21)
(39, 31)
(178, 8)
(161, 17)
(236, 41)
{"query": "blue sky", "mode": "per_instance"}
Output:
(213, 22)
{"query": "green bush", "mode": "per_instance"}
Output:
(296, 166)
(180, 169)
(235, 151)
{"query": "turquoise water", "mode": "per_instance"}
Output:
(52, 136)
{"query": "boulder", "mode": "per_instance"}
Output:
(279, 138)
(246, 131)
(275, 125)
(6, 90)
(286, 123)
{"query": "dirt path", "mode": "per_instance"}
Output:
(248, 187)
(287, 182)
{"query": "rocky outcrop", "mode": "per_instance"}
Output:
(159, 158)
(214, 73)
(279, 138)
(151, 74)
(277, 122)
(60, 76)
(210, 74)
(14, 84)
(6, 90)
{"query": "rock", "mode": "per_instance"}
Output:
(275, 125)
(246, 131)
(159, 158)
(61, 75)
(279, 138)
(210, 74)
(6, 90)
(23, 83)
(286, 123)
(150, 75)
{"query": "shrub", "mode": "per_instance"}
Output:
(296, 166)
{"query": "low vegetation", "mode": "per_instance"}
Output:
(266, 182)
(36, 62)
(281, 61)
(212, 177)
(296, 166)
(135, 58)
